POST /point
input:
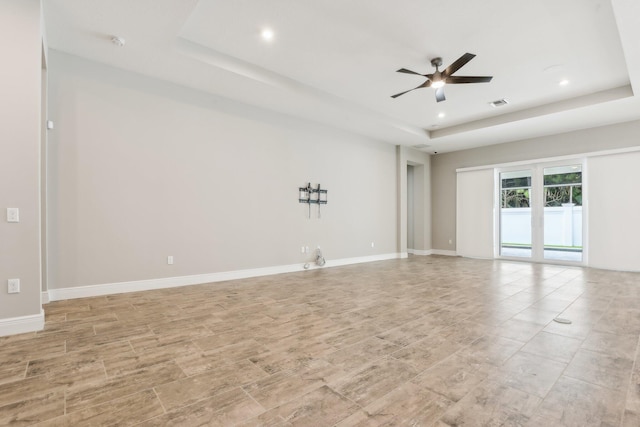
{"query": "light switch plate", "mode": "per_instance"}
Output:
(13, 215)
(13, 286)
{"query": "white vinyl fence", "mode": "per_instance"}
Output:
(562, 225)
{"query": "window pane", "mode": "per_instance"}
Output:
(563, 178)
(524, 181)
(563, 213)
(515, 214)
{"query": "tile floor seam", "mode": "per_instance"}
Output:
(104, 368)
(346, 398)
(131, 346)
(630, 386)
(593, 384)
(159, 400)
(264, 409)
(26, 370)
(279, 404)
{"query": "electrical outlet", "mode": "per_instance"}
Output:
(450, 242)
(373, 245)
(306, 249)
(170, 260)
(301, 249)
(13, 286)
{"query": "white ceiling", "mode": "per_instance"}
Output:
(334, 61)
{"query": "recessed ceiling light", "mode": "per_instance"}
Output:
(118, 41)
(267, 34)
(563, 82)
(441, 115)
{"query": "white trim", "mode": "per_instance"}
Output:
(419, 251)
(552, 159)
(22, 324)
(443, 252)
(45, 297)
(173, 282)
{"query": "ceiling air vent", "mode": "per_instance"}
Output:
(499, 103)
(420, 146)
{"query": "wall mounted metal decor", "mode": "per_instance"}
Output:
(311, 195)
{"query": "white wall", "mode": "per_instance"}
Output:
(444, 166)
(614, 211)
(611, 211)
(140, 169)
(20, 78)
(475, 213)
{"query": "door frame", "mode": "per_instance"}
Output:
(537, 210)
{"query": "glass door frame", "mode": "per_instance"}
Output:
(537, 202)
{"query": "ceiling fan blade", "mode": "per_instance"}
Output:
(468, 79)
(440, 94)
(425, 84)
(460, 62)
(402, 93)
(404, 70)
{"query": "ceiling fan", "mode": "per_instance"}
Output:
(438, 79)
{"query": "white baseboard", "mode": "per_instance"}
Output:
(443, 252)
(172, 282)
(22, 324)
(420, 251)
(359, 260)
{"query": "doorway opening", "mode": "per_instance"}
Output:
(541, 212)
(410, 210)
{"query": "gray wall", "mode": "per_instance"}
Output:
(443, 166)
(140, 169)
(20, 76)
(421, 166)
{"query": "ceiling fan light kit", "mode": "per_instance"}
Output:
(438, 79)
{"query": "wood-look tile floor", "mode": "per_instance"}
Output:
(422, 341)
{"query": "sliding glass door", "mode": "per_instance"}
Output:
(563, 212)
(541, 212)
(515, 214)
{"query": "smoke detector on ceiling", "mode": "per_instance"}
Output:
(118, 41)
